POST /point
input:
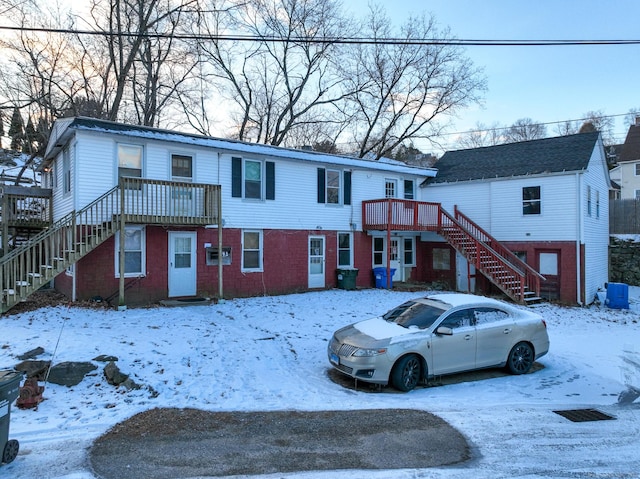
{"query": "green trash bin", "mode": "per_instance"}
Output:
(9, 390)
(347, 278)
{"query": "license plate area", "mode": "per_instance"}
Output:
(335, 359)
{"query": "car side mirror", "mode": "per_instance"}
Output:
(444, 331)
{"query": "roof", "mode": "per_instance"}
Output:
(631, 147)
(535, 157)
(64, 128)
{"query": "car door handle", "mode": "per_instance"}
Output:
(506, 330)
(467, 337)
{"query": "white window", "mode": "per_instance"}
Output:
(597, 204)
(182, 168)
(390, 188)
(134, 252)
(409, 189)
(66, 171)
(129, 161)
(531, 200)
(637, 165)
(333, 187)
(251, 250)
(588, 201)
(409, 255)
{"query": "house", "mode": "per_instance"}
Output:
(142, 214)
(200, 216)
(626, 173)
(545, 200)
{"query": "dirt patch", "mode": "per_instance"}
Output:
(180, 443)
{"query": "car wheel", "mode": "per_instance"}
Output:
(406, 373)
(520, 358)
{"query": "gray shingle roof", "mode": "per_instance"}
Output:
(549, 155)
(631, 147)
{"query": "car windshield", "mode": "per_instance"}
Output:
(414, 313)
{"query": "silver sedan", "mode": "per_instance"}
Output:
(437, 335)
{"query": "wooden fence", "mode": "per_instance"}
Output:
(624, 216)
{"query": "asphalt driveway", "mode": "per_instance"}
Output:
(181, 443)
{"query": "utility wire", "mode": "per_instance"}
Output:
(331, 40)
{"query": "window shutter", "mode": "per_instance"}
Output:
(236, 177)
(271, 180)
(321, 185)
(347, 187)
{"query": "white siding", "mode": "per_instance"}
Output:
(595, 227)
(296, 205)
(497, 206)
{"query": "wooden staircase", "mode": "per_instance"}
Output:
(501, 266)
(134, 200)
(513, 276)
(29, 267)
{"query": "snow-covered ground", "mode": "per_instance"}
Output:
(269, 353)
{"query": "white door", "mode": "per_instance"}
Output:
(465, 275)
(396, 259)
(182, 263)
(316, 262)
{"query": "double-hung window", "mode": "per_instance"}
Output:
(531, 200)
(409, 190)
(334, 186)
(66, 171)
(134, 252)
(182, 168)
(588, 200)
(344, 250)
(252, 250)
(130, 161)
(252, 179)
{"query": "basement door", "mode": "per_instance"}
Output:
(316, 262)
(182, 263)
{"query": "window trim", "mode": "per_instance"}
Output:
(143, 253)
(180, 156)
(344, 193)
(588, 200)
(260, 250)
(339, 188)
(238, 178)
(412, 240)
(393, 182)
(66, 171)
(531, 201)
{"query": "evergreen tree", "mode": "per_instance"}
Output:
(1, 127)
(16, 130)
(30, 137)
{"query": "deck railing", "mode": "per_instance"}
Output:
(400, 215)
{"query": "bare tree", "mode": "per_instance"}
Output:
(525, 129)
(482, 135)
(284, 79)
(398, 91)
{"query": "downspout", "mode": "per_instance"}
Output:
(578, 238)
(219, 213)
(121, 305)
(389, 219)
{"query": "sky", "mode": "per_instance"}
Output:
(269, 354)
(544, 83)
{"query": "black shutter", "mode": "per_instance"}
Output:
(271, 180)
(236, 177)
(347, 187)
(321, 185)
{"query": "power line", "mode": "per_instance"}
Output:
(332, 40)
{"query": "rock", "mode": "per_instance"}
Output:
(113, 374)
(34, 369)
(70, 373)
(104, 358)
(31, 354)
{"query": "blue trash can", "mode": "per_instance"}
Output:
(9, 390)
(380, 275)
(617, 296)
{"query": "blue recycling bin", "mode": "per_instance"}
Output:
(617, 296)
(380, 275)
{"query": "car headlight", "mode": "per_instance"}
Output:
(365, 353)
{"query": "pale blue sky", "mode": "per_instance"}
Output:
(550, 83)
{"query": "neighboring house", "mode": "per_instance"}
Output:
(143, 214)
(546, 200)
(626, 173)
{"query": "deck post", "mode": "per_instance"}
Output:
(121, 304)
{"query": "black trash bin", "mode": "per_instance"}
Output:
(9, 390)
(347, 278)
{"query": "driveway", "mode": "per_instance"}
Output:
(181, 443)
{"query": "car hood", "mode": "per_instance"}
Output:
(380, 329)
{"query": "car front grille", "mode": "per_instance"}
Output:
(346, 350)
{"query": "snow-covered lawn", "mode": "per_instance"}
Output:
(269, 353)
